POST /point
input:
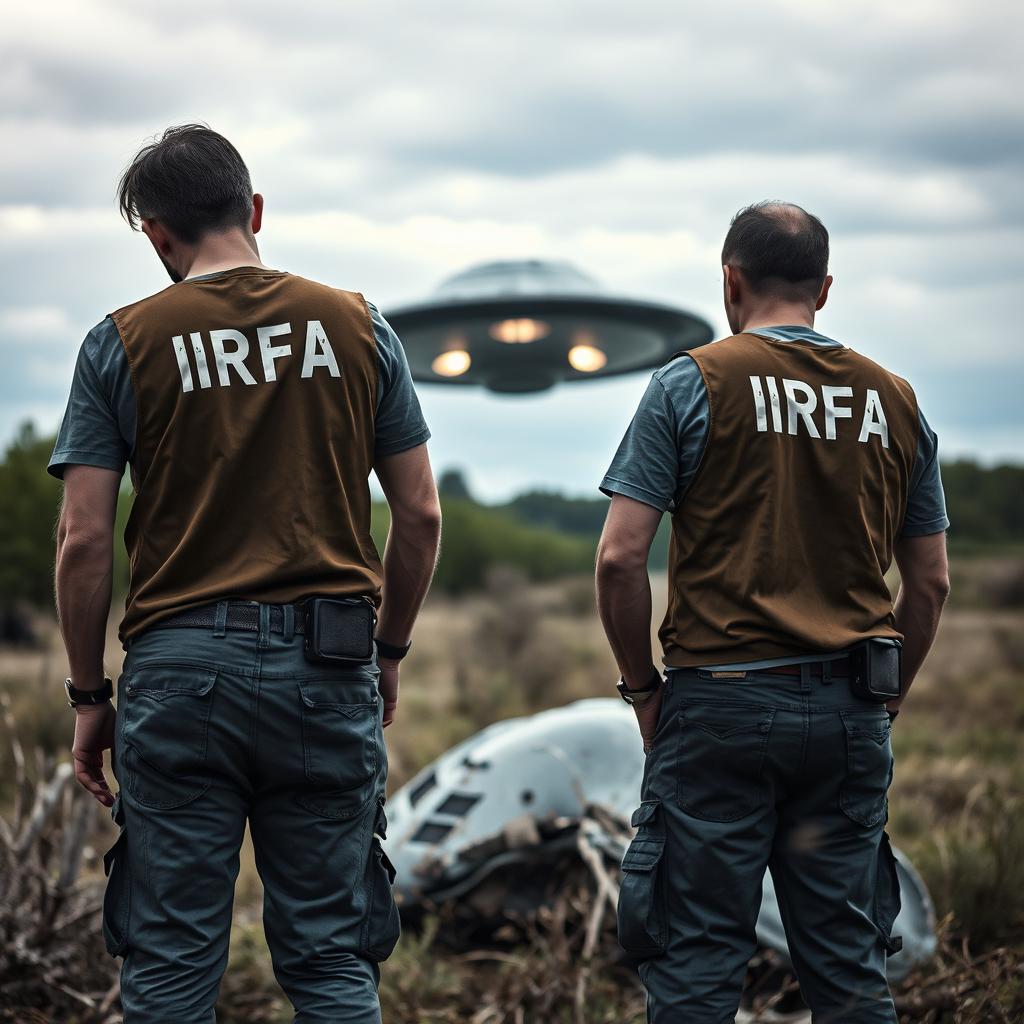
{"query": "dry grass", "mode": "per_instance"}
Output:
(956, 805)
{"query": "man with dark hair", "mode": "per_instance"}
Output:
(795, 470)
(251, 406)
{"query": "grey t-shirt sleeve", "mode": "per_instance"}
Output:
(98, 428)
(664, 444)
(926, 502)
(399, 423)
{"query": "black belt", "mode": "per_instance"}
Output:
(241, 615)
(839, 667)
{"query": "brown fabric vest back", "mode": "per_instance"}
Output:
(780, 545)
(255, 393)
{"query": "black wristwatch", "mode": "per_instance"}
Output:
(98, 696)
(629, 696)
(391, 652)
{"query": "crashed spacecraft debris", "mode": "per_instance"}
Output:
(475, 826)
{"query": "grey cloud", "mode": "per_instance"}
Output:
(619, 136)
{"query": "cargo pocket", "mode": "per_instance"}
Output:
(721, 757)
(167, 712)
(862, 796)
(642, 914)
(382, 926)
(340, 743)
(117, 895)
(887, 897)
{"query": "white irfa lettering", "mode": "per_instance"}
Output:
(834, 412)
(759, 410)
(874, 419)
(271, 352)
(201, 364)
(178, 341)
(773, 396)
(318, 351)
(223, 359)
(800, 409)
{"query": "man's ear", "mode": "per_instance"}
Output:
(158, 235)
(733, 284)
(257, 213)
(823, 295)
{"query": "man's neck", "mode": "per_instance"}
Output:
(227, 251)
(782, 314)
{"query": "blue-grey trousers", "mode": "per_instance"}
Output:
(215, 728)
(787, 774)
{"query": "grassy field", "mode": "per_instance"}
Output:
(956, 804)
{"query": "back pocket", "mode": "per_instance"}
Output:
(862, 796)
(166, 716)
(721, 760)
(642, 913)
(340, 745)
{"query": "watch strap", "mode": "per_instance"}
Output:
(98, 696)
(391, 652)
(644, 693)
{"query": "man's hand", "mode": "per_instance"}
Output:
(94, 733)
(388, 686)
(648, 710)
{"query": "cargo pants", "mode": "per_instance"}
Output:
(216, 727)
(768, 771)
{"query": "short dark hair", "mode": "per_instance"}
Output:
(779, 247)
(190, 179)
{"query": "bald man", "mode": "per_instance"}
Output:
(795, 471)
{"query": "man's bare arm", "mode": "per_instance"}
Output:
(924, 587)
(624, 597)
(84, 577)
(410, 555)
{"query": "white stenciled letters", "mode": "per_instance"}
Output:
(318, 351)
(773, 397)
(759, 410)
(802, 402)
(272, 352)
(223, 359)
(231, 349)
(834, 412)
(201, 364)
(874, 419)
(800, 408)
(178, 341)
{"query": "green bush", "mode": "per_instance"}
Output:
(29, 500)
(477, 539)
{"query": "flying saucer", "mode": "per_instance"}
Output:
(526, 325)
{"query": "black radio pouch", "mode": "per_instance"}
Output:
(876, 669)
(339, 631)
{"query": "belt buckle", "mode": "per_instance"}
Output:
(729, 675)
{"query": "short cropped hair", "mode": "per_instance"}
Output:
(191, 180)
(779, 247)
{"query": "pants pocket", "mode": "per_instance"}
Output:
(862, 796)
(117, 895)
(887, 897)
(382, 926)
(340, 744)
(642, 914)
(167, 712)
(721, 756)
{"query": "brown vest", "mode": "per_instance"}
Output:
(780, 545)
(255, 393)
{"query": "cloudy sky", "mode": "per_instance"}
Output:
(398, 142)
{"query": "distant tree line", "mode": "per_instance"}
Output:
(543, 533)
